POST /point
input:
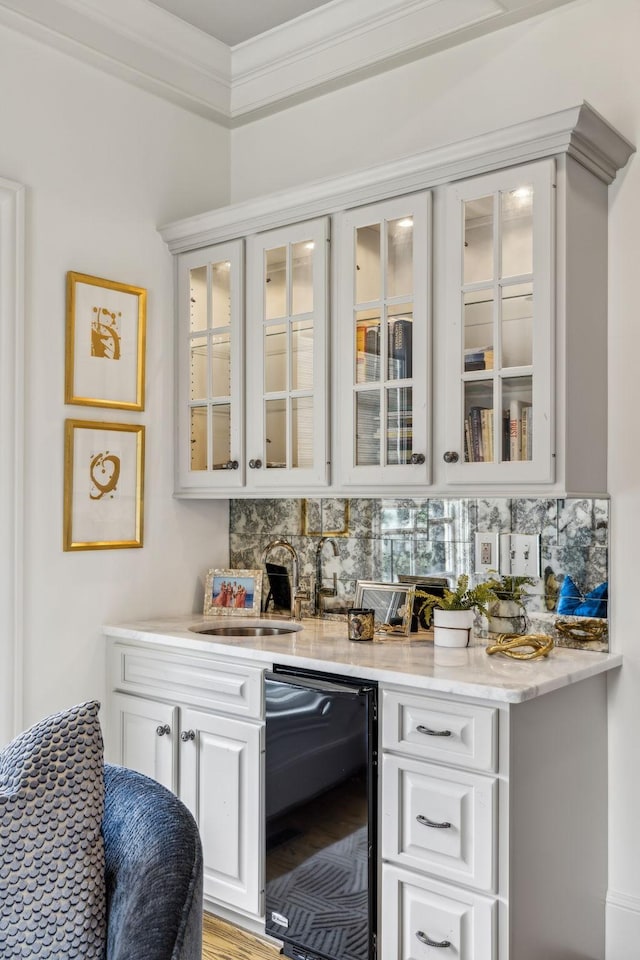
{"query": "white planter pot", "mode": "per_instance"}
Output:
(452, 628)
(506, 616)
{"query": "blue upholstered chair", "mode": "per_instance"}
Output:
(153, 860)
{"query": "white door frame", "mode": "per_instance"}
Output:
(12, 284)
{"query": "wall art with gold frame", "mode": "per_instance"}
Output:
(232, 593)
(103, 485)
(105, 343)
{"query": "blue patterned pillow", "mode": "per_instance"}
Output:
(52, 883)
(572, 603)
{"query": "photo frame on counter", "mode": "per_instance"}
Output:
(392, 604)
(232, 593)
(105, 343)
(103, 485)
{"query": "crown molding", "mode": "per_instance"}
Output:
(579, 132)
(334, 45)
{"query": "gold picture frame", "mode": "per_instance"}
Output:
(105, 343)
(392, 605)
(103, 485)
(325, 517)
(232, 593)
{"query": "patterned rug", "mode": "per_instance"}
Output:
(326, 902)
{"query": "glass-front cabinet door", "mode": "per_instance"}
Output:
(286, 357)
(500, 312)
(210, 389)
(383, 337)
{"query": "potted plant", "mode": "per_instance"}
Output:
(507, 614)
(453, 612)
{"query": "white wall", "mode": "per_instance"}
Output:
(104, 164)
(587, 50)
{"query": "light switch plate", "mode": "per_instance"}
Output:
(520, 554)
(486, 551)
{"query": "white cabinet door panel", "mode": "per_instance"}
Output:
(144, 737)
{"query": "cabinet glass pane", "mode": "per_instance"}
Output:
(399, 343)
(276, 436)
(198, 438)
(478, 240)
(302, 431)
(221, 365)
(302, 355)
(302, 278)
(367, 346)
(221, 293)
(368, 427)
(275, 358)
(478, 330)
(479, 439)
(198, 299)
(198, 388)
(400, 257)
(516, 211)
(275, 275)
(517, 417)
(399, 425)
(221, 435)
(368, 264)
(517, 325)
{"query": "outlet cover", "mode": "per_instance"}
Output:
(486, 551)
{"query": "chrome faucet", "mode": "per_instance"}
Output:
(297, 595)
(321, 591)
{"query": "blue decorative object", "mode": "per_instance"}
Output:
(573, 603)
(52, 883)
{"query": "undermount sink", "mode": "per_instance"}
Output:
(246, 630)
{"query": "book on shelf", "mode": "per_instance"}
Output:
(517, 415)
(400, 350)
(478, 435)
(478, 358)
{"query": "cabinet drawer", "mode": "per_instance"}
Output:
(233, 688)
(423, 918)
(458, 733)
(439, 820)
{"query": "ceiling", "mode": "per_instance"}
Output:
(240, 20)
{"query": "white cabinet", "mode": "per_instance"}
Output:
(383, 338)
(195, 724)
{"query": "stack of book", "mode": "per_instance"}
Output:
(520, 431)
(478, 358)
(478, 435)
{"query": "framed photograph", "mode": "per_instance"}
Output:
(421, 618)
(233, 593)
(392, 605)
(105, 343)
(103, 485)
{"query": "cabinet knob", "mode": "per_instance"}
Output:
(187, 735)
(423, 938)
(417, 458)
(163, 729)
(439, 825)
(231, 465)
(432, 733)
(451, 456)
(255, 464)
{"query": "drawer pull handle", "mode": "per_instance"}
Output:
(423, 938)
(433, 733)
(187, 735)
(445, 825)
(162, 729)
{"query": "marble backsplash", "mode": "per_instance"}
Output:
(380, 539)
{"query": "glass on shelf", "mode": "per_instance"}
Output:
(198, 438)
(399, 342)
(367, 346)
(275, 357)
(368, 264)
(399, 433)
(478, 240)
(198, 299)
(480, 443)
(221, 435)
(198, 385)
(276, 433)
(302, 431)
(221, 365)
(517, 325)
(400, 257)
(516, 215)
(517, 418)
(368, 428)
(275, 276)
(302, 277)
(221, 293)
(302, 355)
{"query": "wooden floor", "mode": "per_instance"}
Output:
(222, 941)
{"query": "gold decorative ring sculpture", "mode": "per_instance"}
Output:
(512, 644)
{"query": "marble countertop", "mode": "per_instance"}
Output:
(323, 645)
